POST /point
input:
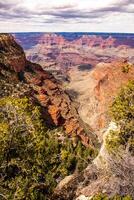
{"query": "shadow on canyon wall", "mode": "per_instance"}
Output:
(85, 67)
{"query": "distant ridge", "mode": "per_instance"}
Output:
(32, 37)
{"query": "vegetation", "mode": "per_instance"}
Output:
(105, 197)
(126, 68)
(122, 112)
(33, 159)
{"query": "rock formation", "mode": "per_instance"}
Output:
(52, 39)
(62, 54)
(57, 107)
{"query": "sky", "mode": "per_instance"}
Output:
(67, 16)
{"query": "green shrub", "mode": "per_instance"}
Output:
(100, 197)
(32, 158)
(123, 105)
(126, 68)
(105, 197)
(122, 112)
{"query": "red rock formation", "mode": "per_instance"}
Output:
(57, 108)
(57, 54)
(56, 103)
(54, 111)
(15, 62)
(88, 40)
(52, 39)
(94, 41)
(109, 79)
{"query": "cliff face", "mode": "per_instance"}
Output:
(96, 89)
(104, 41)
(57, 108)
(94, 41)
(52, 39)
(11, 54)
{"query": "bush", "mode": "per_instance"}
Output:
(126, 68)
(122, 112)
(105, 197)
(33, 159)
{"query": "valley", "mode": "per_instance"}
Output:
(66, 127)
(89, 66)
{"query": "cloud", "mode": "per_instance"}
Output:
(67, 11)
(73, 12)
(7, 4)
(120, 7)
(4, 5)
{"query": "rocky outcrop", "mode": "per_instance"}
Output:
(52, 39)
(109, 79)
(57, 108)
(94, 41)
(11, 54)
(57, 105)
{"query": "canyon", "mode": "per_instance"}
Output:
(90, 68)
(74, 95)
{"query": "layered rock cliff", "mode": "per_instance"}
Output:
(57, 107)
(58, 54)
(95, 89)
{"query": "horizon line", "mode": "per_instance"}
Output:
(67, 32)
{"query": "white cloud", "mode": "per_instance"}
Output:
(69, 15)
